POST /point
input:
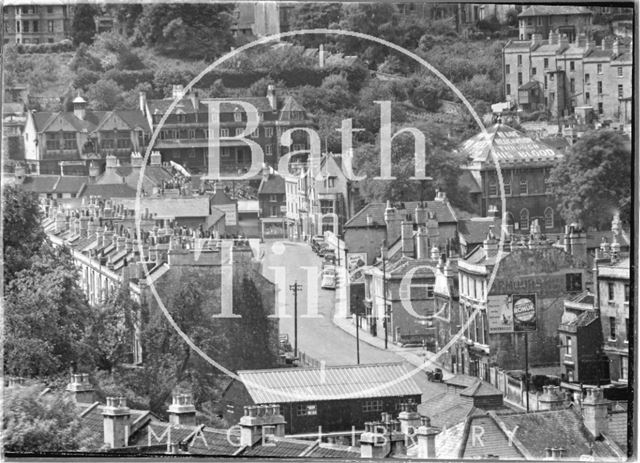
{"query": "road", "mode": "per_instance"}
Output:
(318, 337)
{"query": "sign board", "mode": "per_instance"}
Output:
(499, 314)
(355, 264)
(524, 312)
(230, 214)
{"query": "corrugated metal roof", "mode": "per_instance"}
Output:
(330, 383)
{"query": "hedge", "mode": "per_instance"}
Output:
(57, 47)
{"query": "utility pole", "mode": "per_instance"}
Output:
(384, 296)
(295, 287)
(357, 338)
(526, 366)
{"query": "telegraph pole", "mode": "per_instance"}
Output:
(384, 296)
(526, 366)
(295, 287)
(357, 338)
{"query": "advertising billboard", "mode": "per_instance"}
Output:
(524, 312)
(499, 314)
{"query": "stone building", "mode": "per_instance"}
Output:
(565, 76)
(566, 19)
(614, 298)
(377, 225)
(72, 140)
(33, 24)
(184, 137)
(525, 165)
(490, 282)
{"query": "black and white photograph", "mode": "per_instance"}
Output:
(273, 230)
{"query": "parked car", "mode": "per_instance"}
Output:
(317, 242)
(435, 376)
(328, 280)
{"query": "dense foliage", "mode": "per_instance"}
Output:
(35, 422)
(593, 181)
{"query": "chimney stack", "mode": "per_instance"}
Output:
(553, 38)
(422, 245)
(581, 40)
(426, 439)
(409, 419)
(271, 96)
(182, 411)
(551, 399)
(373, 442)
(421, 215)
(256, 420)
(595, 412)
(116, 416)
(394, 223)
(536, 39)
(578, 242)
(142, 101)
(81, 389)
(155, 158)
(406, 231)
(137, 160)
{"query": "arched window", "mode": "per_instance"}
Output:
(548, 218)
(524, 219)
(509, 218)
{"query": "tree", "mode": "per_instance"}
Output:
(593, 180)
(253, 333)
(315, 16)
(23, 236)
(84, 59)
(46, 317)
(441, 165)
(83, 26)
(44, 423)
(105, 95)
(188, 31)
(113, 328)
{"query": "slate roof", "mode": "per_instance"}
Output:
(92, 121)
(509, 146)
(290, 385)
(261, 103)
(70, 184)
(115, 190)
(333, 451)
(172, 207)
(558, 428)
(220, 197)
(216, 442)
(279, 448)
(447, 409)
(474, 230)
(442, 210)
(617, 429)
(552, 10)
(529, 85)
(275, 184)
(40, 183)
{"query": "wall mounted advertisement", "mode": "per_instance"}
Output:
(524, 313)
(499, 314)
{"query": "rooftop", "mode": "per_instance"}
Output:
(553, 10)
(441, 209)
(508, 146)
(330, 383)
